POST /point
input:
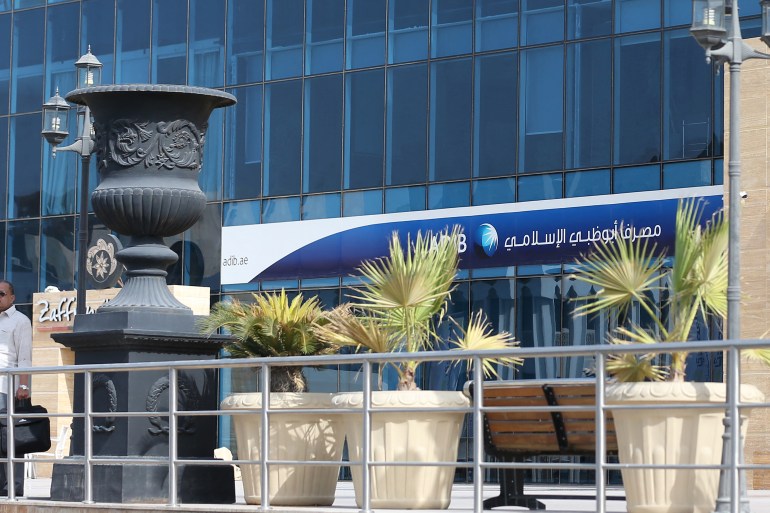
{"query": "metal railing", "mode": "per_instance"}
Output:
(476, 410)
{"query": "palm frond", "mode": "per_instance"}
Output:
(478, 336)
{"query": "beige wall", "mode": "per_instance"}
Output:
(755, 247)
(54, 312)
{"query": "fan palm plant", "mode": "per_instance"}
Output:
(403, 299)
(271, 326)
(627, 272)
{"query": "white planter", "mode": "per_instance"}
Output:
(672, 436)
(293, 436)
(406, 436)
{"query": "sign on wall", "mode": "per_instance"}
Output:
(543, 232)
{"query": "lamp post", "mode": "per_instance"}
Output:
(716, 27)
(55, 119)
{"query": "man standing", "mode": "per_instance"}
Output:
(15, 351)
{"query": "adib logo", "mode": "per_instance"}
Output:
(486, 238)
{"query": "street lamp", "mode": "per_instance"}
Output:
(721, 38)
(55, 118)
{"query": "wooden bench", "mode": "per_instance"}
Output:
(517, 434)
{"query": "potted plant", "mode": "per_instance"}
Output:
(401, 302)
(626, 273)
(274, 326)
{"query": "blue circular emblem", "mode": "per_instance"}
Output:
(486, 238)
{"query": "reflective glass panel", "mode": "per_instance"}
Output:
(202, 259)
(365, 33)
(132, 42)
(587, 183)
(285, 32)
(210, 177)
(206, 45)
(676, 12)
(280, 209)
(406, 124)
(407, 30)
(404, 199)
(633, 179)
(3, 167)
(322, 169)
(637, 99)
(538, 323)
(321, 206)
(245, 41)
(488, 192)
(57, 253)
(27, 73)
(719, 172)
(496, 298)
(542, 21)
(22, 258)
(169, 42)
(542, 105)
(687, 174)
(243, 139)
(61, 186)
(24, 166)
(97, 30)
(5, 62)
(589, 107)
(579, 330)
(687, 121)
(450, 119)
(588, 18)
(362, 203)
(23, 4)
(63, 21)
(242, 213)
(494, 115)
(497, 24)
(325, 35)
(364, 129)
(449, 195)
(283, 138)
(633, 15)
(540, 187)
(452, 27)
(5, 5)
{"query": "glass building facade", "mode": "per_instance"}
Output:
(358, 107)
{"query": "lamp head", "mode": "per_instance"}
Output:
(708, 23)
(89, 70)
(55, 119)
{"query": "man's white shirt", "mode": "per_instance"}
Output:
(15, 343)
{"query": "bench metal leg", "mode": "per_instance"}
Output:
(512, 492)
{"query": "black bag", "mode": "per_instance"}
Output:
(30, 434)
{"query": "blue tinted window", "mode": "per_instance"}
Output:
(637, 99)
(542, 105)
(322, 170)
(24, 166)
(5, 5)
(321, 206)
(63, 21)
(362, 203)
(207, 37)
(5, 62)
(22, 260)
(633, 15)
(589, 93)
(407, 30)
(23, 4)
(3, 170)
(280, 210)
(687, 125)
(589, 18)
(633, 179)
(449, 195)
(283, 138)
(676, 12)
(450, 120)
(285, 31)
(587, 183)
(57, 253)
(210, 177)
(245, 41)
(243, 135)
(201, 257)
(540, 187)
(404, 199)
(488, 192)
(494, 122)
(27, 73)
(325, 32)
(169, 42)
(364, 129)
(719, 172)
(60, 187)
(718, 140)
(497, 24)
(687, 174)
(542, 21)
(407, 117)
(241, 213)
(451, 32)
(747, 8)
(365, 33)
(132, 41)
(98, 31)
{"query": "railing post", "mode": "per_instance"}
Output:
(478, 430)
(88, 423)
(173, 422)
(366, 498)
(265, 440)
(601, 436)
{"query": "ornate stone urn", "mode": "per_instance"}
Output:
(149, 147)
